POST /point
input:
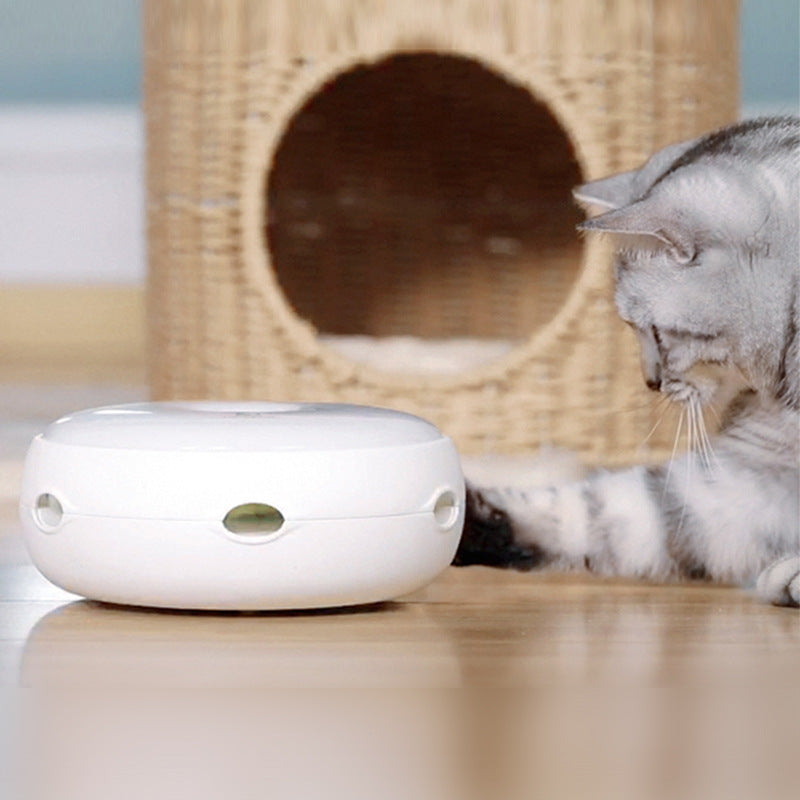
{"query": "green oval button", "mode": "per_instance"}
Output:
(253, 518)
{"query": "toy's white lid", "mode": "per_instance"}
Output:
(198, 461)
(241, 426)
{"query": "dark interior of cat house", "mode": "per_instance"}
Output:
(424, 195)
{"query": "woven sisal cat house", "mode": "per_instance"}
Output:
(325, 176)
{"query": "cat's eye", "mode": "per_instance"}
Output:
(685, 258)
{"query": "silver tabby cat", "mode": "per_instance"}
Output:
(707, 275)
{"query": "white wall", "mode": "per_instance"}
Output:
(71, 195)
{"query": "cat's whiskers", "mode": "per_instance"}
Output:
(704, 441)
(691, 437)
(711, 456)
(714, 411)
(674, 451)
(661, 406)
(694, 437)
(638, 407)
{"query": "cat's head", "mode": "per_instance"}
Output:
(692, 270)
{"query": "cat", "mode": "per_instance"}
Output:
(707, 273)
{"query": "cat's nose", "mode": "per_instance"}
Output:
(654, 384)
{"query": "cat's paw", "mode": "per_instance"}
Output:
(779, 583)
(488, 537)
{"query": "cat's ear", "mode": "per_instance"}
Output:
(620, 190)
(613, 192)
(649, 220)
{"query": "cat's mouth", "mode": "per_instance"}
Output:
(704, 384)
(687, 393)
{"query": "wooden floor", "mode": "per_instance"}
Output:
(731, 731)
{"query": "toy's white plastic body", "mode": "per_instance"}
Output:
(370, 502)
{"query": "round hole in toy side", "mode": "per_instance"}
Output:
(48, 511)
(424, 198)
(445, 510)
(254, 519)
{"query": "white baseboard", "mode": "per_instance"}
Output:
(71, 195)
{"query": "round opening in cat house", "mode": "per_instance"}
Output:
(419, 213)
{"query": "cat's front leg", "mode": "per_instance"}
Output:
(687, 521)
(779, 583)
(528, 528)
(490, 537)
(610, 524)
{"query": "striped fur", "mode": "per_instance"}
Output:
(707, 275)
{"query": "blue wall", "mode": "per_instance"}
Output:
(89, 51)
(771, 53)
(66, 51)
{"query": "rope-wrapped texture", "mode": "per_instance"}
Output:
(385, 167)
